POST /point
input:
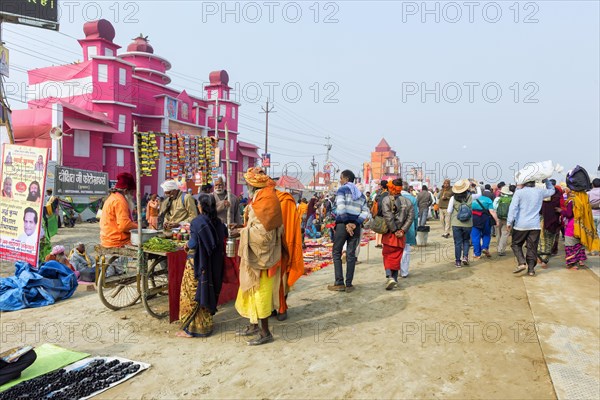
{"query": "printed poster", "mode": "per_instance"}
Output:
(3, 60)
(23, 177)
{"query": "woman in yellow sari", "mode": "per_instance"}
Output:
(203, 275)
(580, 230)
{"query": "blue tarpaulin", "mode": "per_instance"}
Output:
(31, 287)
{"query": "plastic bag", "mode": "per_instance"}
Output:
(537, 171)
(578, 179)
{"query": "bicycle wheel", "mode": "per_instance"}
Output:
(155, 287)
(118, 291)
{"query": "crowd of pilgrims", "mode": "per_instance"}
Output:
(272, 226)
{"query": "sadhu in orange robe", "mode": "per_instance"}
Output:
(292, 259)
(115, 222)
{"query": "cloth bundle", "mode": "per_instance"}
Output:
(537, 171)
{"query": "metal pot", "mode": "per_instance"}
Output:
(230, 247)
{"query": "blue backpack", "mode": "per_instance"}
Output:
(464, 212)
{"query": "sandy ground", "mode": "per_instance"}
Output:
(446, 333)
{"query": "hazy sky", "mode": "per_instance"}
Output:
(466, 89)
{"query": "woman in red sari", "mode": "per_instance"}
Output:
(398, 213)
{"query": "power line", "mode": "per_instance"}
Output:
(294, 119)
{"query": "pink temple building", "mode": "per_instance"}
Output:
(97, 103)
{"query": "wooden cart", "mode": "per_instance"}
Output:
(144, 279)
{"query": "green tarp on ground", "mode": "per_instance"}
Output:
(49, 358)
(52, 225)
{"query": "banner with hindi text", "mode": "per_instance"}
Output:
(23, 176)
(75, 182)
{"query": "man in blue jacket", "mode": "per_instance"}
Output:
(524, 220)
(351, 211)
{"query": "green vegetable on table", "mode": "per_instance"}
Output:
(158, 244)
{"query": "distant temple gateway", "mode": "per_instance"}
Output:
(384, 164)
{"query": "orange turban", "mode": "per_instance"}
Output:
(256, 177)
(393, 189)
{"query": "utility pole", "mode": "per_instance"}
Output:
(328, 145)
(5, 112)
(267, 110)
(313, 164)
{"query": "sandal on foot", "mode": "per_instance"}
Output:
(531, 273)
(282, 316)
(520, 268)
(260, 340)
(248, 331)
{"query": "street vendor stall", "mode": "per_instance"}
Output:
(143, 280)
(152, 266)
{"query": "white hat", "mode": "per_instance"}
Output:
(461, 186)
(169, 185)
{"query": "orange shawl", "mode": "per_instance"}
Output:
(267, 208)
(292, 259)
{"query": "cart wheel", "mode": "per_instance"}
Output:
(155, 283)
(118, 291)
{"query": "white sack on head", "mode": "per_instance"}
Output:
(537, 171)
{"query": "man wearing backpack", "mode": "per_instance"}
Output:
(501, 205)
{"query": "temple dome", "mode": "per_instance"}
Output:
(219, 78)
(141, 44)
(100, 29)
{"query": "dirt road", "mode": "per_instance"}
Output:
(446, 333)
